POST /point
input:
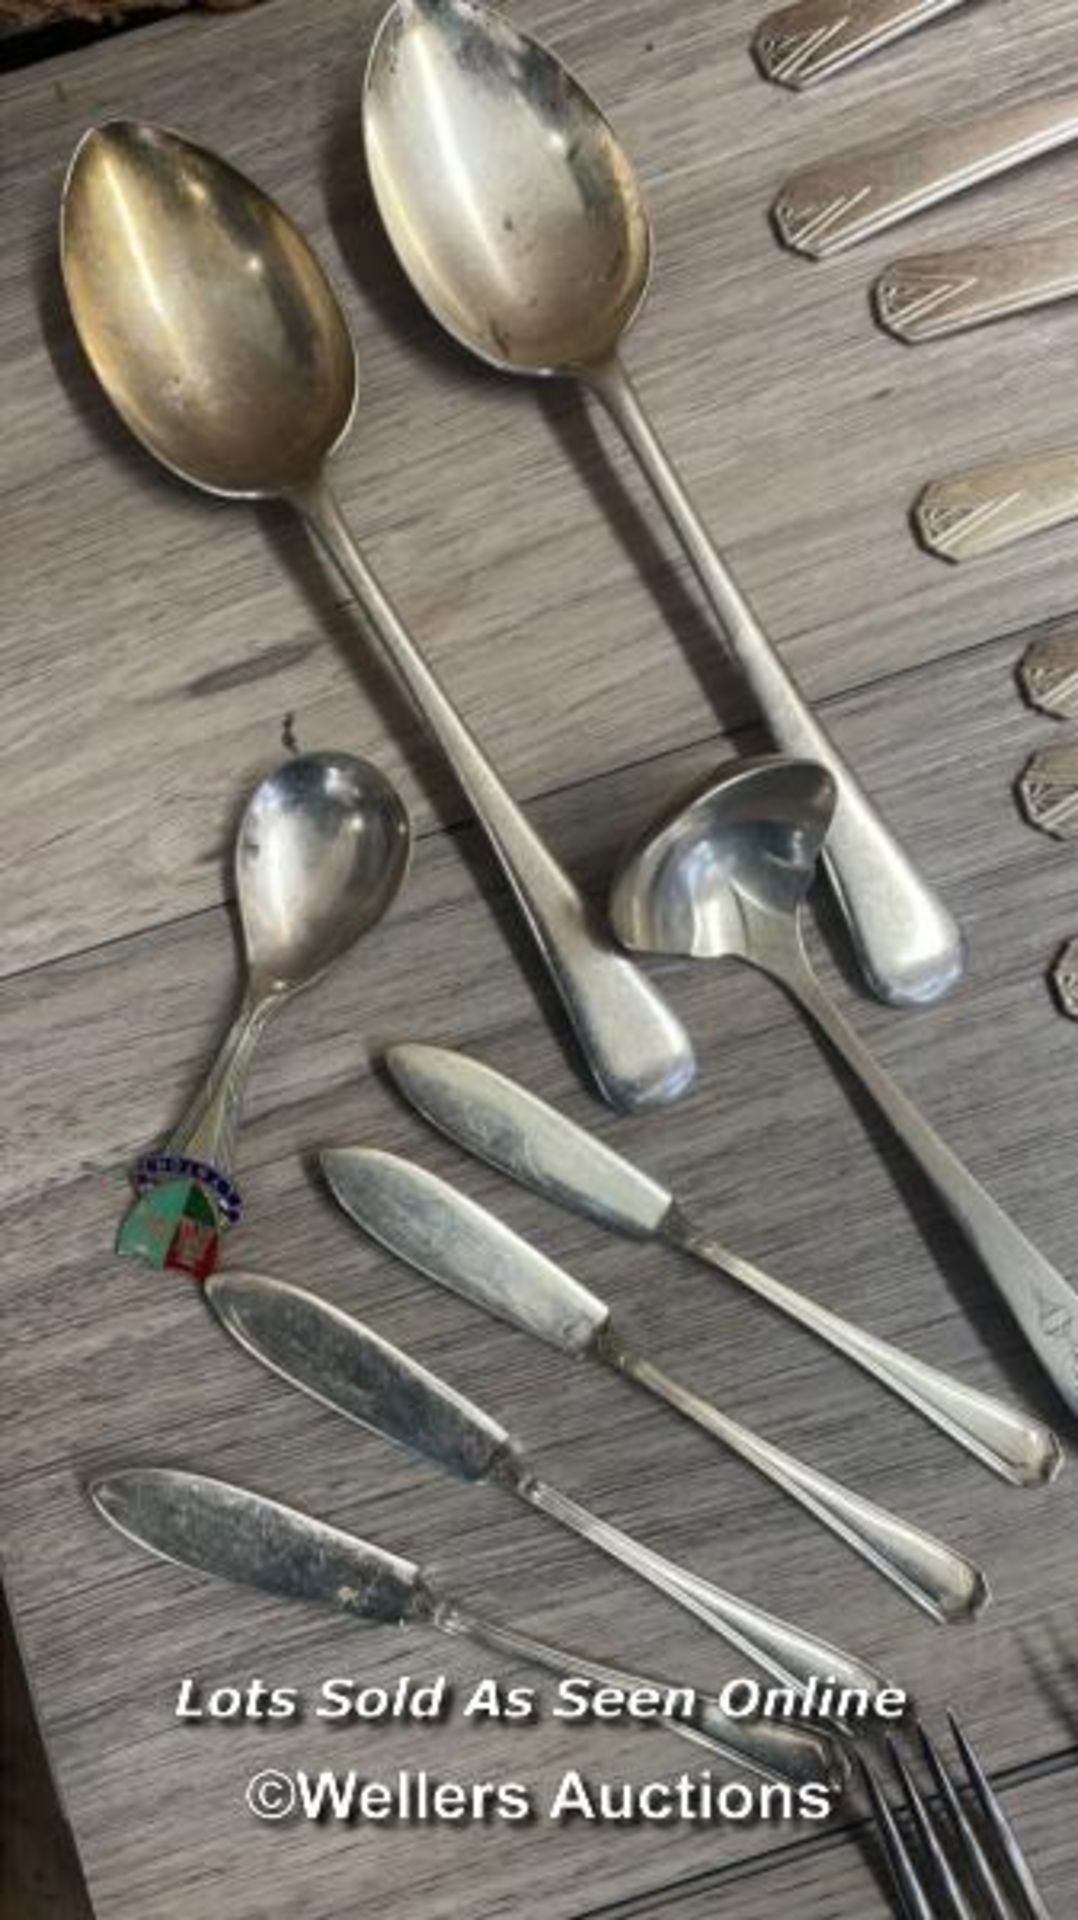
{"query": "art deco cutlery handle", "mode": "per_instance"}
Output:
(813, 39)
(927, 295)
(909, 947)
(779, 1751)
(844, 200)
(1043, 1303)
(988, 507)
(1015, 1446)
(938, 1579)
(792, 1656)
(638, 1052)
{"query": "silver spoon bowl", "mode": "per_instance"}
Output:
(217, 336)
(321, 853)
(724, 874)
(519, 219)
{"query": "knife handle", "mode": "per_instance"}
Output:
(814, 39)
(939, 1580)
(985, 508)
(1015, 1446)
(794, 1657)
(844, 200)
(777, 1751)
(925, 296)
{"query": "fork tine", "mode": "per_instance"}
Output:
(958, 1905)
(980, 1866)
(913, 1900)
(999, 1823)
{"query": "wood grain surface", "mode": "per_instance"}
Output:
(154, 650)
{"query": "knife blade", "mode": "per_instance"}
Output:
(439, 1230)
(240, 1536)
(350, 1368)
(347, 1367)
(495, 1118)
(243, 1537)
(511, 1129)
(428, 1223)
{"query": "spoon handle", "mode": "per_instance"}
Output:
(794, 1657)
(909, 946)
(841, 201)
(777, 1751)
(211, 1123)
(985, 508)
(1013, 1444)
(1043, 1303)
(812, 39)
(927, 295)
(639, 1053)
(941, 1581)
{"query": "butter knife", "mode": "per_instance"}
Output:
(499, 1121)
(848, 198)
(348, 1367)
(228, 1531)
(985, 508)
(927, 295)
(814, 39)
(445, 1235)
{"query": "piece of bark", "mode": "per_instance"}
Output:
(30, 14)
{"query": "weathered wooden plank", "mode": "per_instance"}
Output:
(155, 642)
(106, 1363)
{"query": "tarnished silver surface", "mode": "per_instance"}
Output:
(228, 1531)
(426, 1222)
(724, 874)
(840, 201)
(988, 507)
(321, 854)
(518, 216)
(926, 295)
(349, 1368)
(1048, 674)
(236, 1535)
(447, 1236)
(814, 39)
(1048, 789)
(1065, 979)
(218, 338)
(498, 1120)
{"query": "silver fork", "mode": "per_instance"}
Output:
(958, 1869)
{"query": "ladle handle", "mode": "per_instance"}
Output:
(211, 1123)
(791, 1655)
(909, 947)
(1043, 1303)
(1013, 1444)
(639, 1053)
(941, 1581)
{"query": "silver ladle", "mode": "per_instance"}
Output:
(517, 215)
(723, 875)
(218, 338)
(321, 853)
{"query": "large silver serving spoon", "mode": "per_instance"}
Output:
(518, 217)
(723, 875)
(217, 336)
(321, 853)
